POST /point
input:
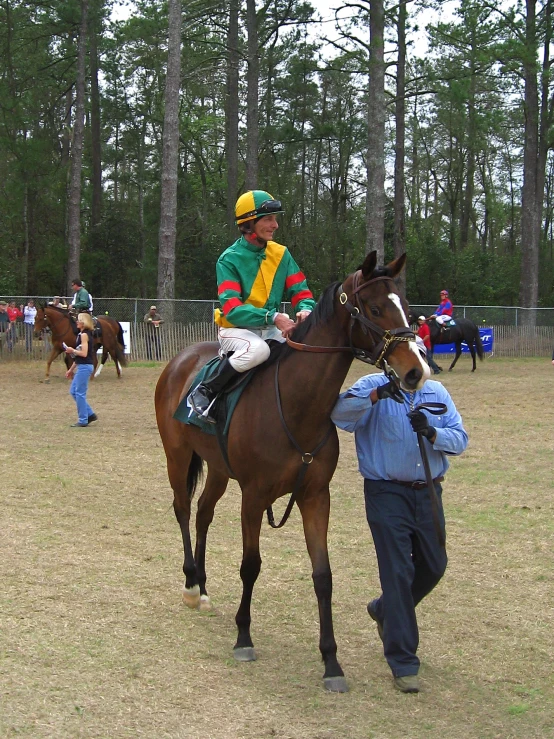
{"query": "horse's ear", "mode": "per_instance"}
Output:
(394, 268)
(369, 264)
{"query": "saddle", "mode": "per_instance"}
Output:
(224, 405)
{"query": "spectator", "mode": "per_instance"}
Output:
(13, 314)
(29, 313)
(424, 333)
(58, 302)
(153, 321)
(4, 322)
(410, 557)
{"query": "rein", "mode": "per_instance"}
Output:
(436, 409)
(307, 458)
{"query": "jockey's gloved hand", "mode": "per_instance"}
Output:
(390, 390)
(420, 424)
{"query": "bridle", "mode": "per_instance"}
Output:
(383, 345)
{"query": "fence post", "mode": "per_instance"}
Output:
(136, 311)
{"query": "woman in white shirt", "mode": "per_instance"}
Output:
(29, 313)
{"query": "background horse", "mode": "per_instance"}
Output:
(61, 325)
(283, 410)
(463, 330)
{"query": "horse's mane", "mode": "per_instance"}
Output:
(320, 315)
(57, 308)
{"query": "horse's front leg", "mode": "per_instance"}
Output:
(315, 518)
(56, 351)
(458, 355)
(250, 567)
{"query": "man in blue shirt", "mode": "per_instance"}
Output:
(398, 505)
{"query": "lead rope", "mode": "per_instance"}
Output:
(435, 409)
(307, 459)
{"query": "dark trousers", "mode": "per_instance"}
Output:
(432, 364)
(411, 562)
(153, 347)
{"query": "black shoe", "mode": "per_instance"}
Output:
(201, 400)
(92, 418)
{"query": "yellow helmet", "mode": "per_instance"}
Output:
(256, 204)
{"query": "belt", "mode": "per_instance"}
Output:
(417, 484)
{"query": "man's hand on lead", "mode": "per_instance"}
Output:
(420, 424)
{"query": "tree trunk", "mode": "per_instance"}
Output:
(375, 202)
(530, 196)
(96, 154)
(74, 204)
(400, 143)
(168, 216)
(232, 114)
(253, 76)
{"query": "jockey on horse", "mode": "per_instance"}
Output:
(81, 302)
(443, 314)
(254, 276)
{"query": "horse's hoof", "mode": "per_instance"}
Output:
(46, 381)
(205, 604)
(335, 684)
(244, 654)
(191, 596)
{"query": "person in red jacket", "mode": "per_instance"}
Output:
(13, 314)
(424, 333)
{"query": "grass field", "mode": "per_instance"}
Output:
(95, 641)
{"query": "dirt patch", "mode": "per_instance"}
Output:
(96, 643)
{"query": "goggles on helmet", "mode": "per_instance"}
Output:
(265, 209)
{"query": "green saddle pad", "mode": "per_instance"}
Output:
(223, 407)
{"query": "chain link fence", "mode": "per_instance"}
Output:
(193, 322)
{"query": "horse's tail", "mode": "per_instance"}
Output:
(194, 474)
(479, 344)
(120, 348)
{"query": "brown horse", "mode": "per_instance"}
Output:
(286, 405)
(61, 325)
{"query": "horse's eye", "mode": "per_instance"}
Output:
(375, 311)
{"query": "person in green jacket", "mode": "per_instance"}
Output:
(254, 276)
(81, 298)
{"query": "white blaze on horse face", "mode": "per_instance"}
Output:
(394, 298)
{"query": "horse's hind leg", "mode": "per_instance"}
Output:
(100, 365)
(315, 517)
(179, 474)
(473, 357)
(215, 486)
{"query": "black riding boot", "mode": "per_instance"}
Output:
(205, 393)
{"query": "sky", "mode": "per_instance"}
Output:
(122, 10)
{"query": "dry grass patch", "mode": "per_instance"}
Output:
(96, 643)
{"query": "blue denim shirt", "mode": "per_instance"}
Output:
(386, 444)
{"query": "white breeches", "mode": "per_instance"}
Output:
(442, 319)
(248, 345)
